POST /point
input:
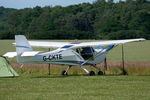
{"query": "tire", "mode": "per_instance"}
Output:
(100, 73)
(63, 73)
(91, 73)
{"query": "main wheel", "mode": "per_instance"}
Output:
(100, 73)
(64, 73)
(91, 73)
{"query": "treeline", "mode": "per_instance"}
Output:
(100, 20)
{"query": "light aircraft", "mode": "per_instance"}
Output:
(67, 53)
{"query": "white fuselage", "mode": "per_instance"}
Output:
(66, 57)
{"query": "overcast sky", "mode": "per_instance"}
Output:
(19, 4)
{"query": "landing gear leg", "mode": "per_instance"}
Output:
(64, 72)
(85, 70)
(91, 73)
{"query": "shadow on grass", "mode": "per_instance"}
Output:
(74, 75)
(55, 76)
(66, 76)
(47, 76)
(60, 76)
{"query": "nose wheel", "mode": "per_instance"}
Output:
(100, 73)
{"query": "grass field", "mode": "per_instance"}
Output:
(75, 88)
(134, 52)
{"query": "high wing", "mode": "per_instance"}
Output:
(65, 45)
(48, 44)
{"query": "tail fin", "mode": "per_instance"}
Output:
(22, 44)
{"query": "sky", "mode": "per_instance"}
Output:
(19, 4)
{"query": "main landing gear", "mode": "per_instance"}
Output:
(64, 72)
(90, 73)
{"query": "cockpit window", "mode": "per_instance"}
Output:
(86, 52)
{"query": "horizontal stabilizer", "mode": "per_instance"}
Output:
(29, 53)
(10, 54)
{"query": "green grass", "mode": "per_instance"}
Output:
(75, 88)
(134, 52)
(76, 70)
(6, 46)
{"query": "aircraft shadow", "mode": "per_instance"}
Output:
(78, 75)
(57, 76)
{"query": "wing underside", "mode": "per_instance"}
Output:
(80, 44)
